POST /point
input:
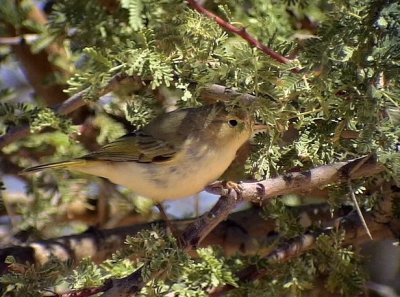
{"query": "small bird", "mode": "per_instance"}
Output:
(175, 156)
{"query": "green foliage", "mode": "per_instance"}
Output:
(162, 255)
(135, 8)
(138, 112)
(341, 265)
(159, 257)
(86, 275)
(20, 114)
(210, 271)
(15, 15)
(337, 99)
(30, 281)
(286, 222)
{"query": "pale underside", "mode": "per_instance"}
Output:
(180, 177)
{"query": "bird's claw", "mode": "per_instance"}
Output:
(225, 187)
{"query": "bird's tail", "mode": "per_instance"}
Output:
(55, 165)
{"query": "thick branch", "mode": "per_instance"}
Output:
(302, 182)
(355, 235)
(243, 232)
(315, 178)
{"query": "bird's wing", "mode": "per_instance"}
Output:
(137, 146)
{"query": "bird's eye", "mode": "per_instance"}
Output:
(233, 123)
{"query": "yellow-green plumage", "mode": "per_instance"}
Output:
(174, 156)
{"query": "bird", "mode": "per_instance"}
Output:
(176, 155)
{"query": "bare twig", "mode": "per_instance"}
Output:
(239, 31)
(201, 227)
(359, 212)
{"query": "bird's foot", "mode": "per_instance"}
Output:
(224, 187)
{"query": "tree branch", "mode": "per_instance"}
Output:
(299, 182)
(197, 231)
(257, 229)
(243, 232)
(241, 32)
(37, 66)
(355, 235)
(302, 182)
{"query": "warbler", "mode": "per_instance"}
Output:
(175, 156)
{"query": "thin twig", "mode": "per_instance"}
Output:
(202, 226)
(357, 206)
(239, 31)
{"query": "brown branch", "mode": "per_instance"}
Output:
(302, 182)
(316, 178)
(355, 235)
(245, 228)
(239, 31)
(197, 230)
(243, 232)
(37, 66)
(202, 226)
(191, 237)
